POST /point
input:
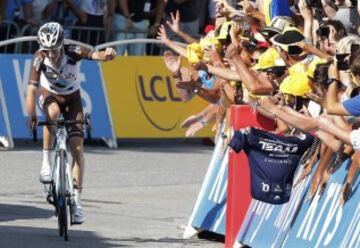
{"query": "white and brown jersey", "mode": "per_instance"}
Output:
(63, 80)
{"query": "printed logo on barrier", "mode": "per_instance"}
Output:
(152, 90)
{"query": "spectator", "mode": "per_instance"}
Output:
(13, 12)
(329, 33)
(91, 29)
(132, 22)
(65, 12)
(189, 15)
(2, 9)
(38, 7)
(208, 16)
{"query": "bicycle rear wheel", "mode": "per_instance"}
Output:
(62, 202)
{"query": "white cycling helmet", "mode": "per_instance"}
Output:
(50, 35)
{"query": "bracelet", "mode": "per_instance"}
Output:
(331, 80)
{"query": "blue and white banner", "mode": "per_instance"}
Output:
(14, 74)
(323, 222)
(3, 129)
(209, 212)
(6, 139)
(267, 225)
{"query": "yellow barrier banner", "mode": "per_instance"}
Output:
(143, 99)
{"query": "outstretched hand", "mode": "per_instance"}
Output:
(304, 174)
(194, 128)
(172, 62)
(175, 20)
(190, 120)
(162, 36)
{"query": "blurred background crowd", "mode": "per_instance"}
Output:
(98, 21)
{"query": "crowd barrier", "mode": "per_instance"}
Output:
(144, 101)
(239, 174)
(322, 222)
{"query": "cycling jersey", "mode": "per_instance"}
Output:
(63, 80)
(273, 160)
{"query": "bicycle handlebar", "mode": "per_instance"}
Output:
(61, 122)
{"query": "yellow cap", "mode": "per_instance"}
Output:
(194, 53)
(312, 67)
(296, 85)
(270, 58)
(210, 42)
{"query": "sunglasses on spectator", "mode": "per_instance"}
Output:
(275, 72)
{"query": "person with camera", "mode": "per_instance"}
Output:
(55, 77)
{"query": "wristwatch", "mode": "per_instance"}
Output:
(331, 80)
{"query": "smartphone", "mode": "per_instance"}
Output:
(342, 64)
(323, 31)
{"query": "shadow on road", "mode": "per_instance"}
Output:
(21, 237)
(161, 242)
(18, 212)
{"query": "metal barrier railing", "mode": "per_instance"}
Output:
(8, 30)
(86, 36)
(115, 44)
(28, 39)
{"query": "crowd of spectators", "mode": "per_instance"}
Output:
(295, 62)
(98, 21)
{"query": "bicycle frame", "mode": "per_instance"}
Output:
(60, 144)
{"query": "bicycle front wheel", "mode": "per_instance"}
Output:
(62, 202)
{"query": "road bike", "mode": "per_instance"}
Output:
(60, 192)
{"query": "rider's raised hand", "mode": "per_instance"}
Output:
(110, 53)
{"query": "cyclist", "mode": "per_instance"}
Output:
(55, 77)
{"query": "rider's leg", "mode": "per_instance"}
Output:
(74, 111)
(78, 165)
(52, 112)
(77, 152)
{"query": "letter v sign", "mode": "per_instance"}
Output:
(22, 82)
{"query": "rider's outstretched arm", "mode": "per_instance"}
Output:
(108, 54)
